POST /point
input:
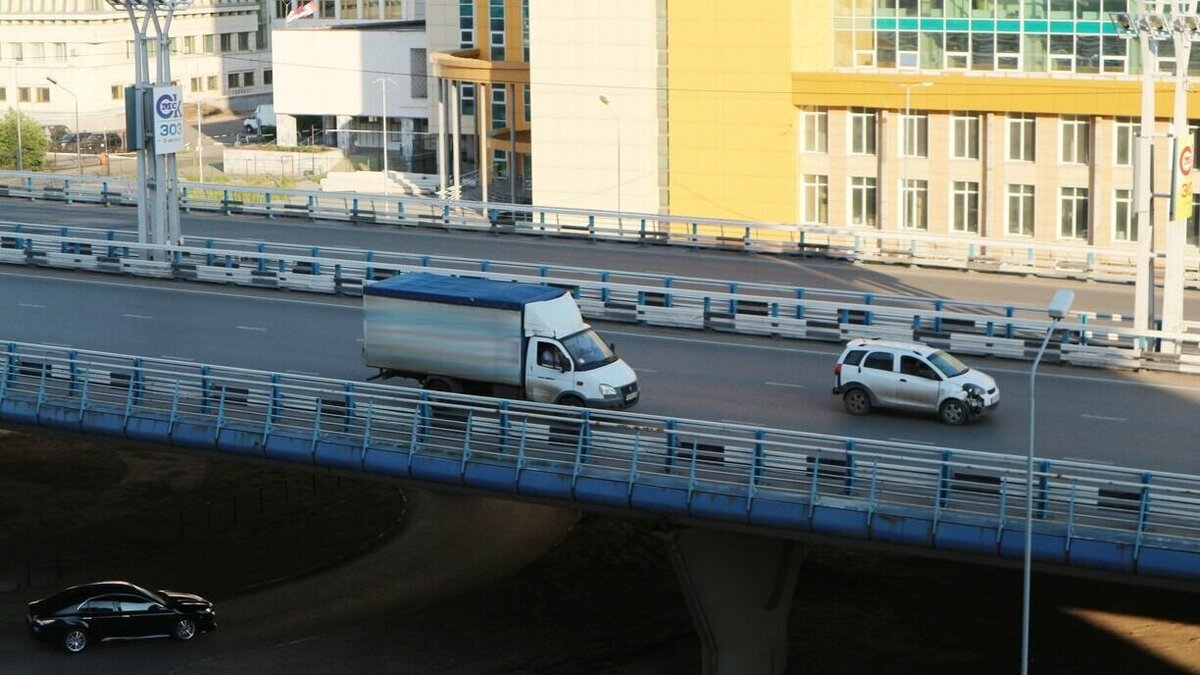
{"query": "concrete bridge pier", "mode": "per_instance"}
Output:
(739, 590)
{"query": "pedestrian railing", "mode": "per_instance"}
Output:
(1092, 516)
(959, 251)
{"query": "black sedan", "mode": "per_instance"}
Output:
(117, 610)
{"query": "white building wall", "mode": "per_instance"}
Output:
(98, 57)
(583, 50)
(333, 72)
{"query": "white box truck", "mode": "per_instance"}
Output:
(496, 338)
(262, 121)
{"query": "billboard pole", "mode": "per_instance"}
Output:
(154, 122)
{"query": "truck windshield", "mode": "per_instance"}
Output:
(587, 350)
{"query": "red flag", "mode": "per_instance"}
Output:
(307, 9)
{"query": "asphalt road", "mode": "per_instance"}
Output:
(1138, 420)
(810, 273)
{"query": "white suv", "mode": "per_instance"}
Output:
(910, 375)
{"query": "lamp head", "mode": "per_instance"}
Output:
(1060, 304)
(52, 80)
(604, 99)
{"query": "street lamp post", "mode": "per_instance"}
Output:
(382, 82)
(1060, 305)
(905, 139)
(617, 122)
(78, 155)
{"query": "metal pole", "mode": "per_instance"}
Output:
(78, 155)
(1029, 508)
(1143, 302)
(1176, 240)
(200, 140)
(904, 161)
(17, 107)
(617, 122)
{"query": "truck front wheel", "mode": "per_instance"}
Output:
(572, 400)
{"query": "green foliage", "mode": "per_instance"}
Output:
(34, 142)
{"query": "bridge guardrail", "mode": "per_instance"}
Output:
(1087, 515)
(960, 251)
(1011, 331)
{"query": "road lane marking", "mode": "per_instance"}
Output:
(1088, 460)
(909, 440)
(304, 372)
(1104, 418)
(254, 328)
(785, 384)
(136, 316)
(640, 370)
(32, 305)
(175, 358)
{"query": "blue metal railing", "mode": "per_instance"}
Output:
(1086, 515)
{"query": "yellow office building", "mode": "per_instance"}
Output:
(1010, 119)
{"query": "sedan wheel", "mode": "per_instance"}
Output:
(75, 640)
(858, 401)
(954, 412)
(185, 629)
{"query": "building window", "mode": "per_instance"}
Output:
(43, 94)
(527, 102)
(417, 67)
(196, 84)
(226, 42)
(1075, 134)
(467, 99)
(189, 44)
(244, 41)
(496, 29)
(965, 213)
(816, 199)
(212, 83)
(268, 77)
(965, 127)
(466, 23)
(1022, 137)
(862, 200)
(1073, 213)
(1124, 226)
(3, 93)
(500, 164)
(248, 78)
(1193, 223)
(914, 135)
(914, 205)
(22, 94)
(1020, 210)
(814, 124)
(1126, 132)
(525, 30)
(862, 131)
(17, 51)
(117, 92)
(60, 51)
(208, 44)
(231, 80)
(499, 106)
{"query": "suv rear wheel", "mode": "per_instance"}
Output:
(857, 400)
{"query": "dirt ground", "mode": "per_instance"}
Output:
(603, 601)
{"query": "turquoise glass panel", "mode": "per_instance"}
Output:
(1087, 28)
(1062, 27)
(1036, 27)
(908, 24)
(958, 25)
(932, 24)
(983, 25)
(1008, 26)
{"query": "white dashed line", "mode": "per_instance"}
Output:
(1103, 418)
(175, 358)
(32, 306)
(784, 384)
(1088, 460)
(304, 372)
(136, 316)
(909, 440)
(261, 330)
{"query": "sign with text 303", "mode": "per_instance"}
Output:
(167, 105)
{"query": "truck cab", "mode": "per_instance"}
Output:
(579, 370)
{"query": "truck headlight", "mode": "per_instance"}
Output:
(608, 390)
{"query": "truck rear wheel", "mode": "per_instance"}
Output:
(439, 384)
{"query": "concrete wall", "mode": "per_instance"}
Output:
(256, 162)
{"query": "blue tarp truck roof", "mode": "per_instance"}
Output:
(462, 290)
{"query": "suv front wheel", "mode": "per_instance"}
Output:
(954, 412)
(857, 400)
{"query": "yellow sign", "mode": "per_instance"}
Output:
(1181, 179)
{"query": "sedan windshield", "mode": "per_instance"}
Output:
(947, 364)
(587, 350)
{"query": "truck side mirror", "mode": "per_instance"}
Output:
(612, 347)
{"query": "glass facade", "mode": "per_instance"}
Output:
(1033, 36)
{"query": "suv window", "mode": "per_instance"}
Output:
(879, 361)
(855, 357)
(911, 365)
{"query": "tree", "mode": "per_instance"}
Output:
(34, 142)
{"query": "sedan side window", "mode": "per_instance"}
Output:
(98, 606)
(128, 603)
(879, 361)
(911, 365)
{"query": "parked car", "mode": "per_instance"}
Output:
(55, 132)
(913, 376)
(117, 610)
(109, 141)
(66, 143)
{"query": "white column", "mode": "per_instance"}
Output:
(1143, 299)
(1176, 239)
(483, 98)
(441, 135)
(456, 135)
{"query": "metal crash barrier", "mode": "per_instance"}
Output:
(1089, 516)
